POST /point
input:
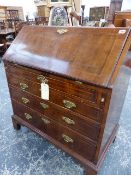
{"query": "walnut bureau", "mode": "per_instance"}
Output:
(69, 85)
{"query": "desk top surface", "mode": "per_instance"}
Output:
(92, 55)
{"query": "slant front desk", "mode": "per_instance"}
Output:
(68, 85)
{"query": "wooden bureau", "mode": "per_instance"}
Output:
(81, 70)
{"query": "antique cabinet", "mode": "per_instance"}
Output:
(97, 13)
(119, 18)
(68, 85)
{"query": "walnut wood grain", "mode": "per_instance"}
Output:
(81, 124)
(57, 97)
(53, 53)
(54, 130)
(92, 56)
(83, 90)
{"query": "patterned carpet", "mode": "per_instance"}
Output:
(25, 153)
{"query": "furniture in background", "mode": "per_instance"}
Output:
(123, 19)
(6, 38)
(2, 24)
(10, 14)
(127, 22)
(77, 95)
(41, 20)
(119, 18)
(75, 19)
(115, 5)
(58, 17)
(97, 13)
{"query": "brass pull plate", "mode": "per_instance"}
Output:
(68, 120)
(42, 79)
(69, 104)
(25, 100)
(78, 82)
(28, 116)
(62, 31)
(44, 106)
(67, 139)
(46, 121)
(23, 86)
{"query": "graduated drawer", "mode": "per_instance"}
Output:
(90, 93)
(65, 117)
(67, 137)
(64, 100)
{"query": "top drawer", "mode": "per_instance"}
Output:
(93, 95)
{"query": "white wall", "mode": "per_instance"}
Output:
(92, 3)
(126, 5)
(29, 7)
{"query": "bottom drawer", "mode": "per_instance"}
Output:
(73, 140)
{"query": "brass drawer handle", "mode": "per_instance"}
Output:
(25, 100)
(68, 120)
(78, 82)
(28, 116)
(46, 121)
(62, 31)
(23, 86)
(44, 106)
(67, 138)
(69, 104)
(42, 78)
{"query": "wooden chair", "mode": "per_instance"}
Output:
(41, 20)
(75, 19)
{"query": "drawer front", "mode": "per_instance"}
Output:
(57, 113)
(67, 137)
(64, 100)
(91, 94)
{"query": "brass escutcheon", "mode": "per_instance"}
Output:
(42, 79)
(25, 100)
(28, 116)
(62, 31)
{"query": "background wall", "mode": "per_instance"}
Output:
(30, 9)
(28, 6)
(92, 3)
(126, 4)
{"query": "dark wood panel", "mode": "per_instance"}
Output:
(119, 17)
(67, 137)
(58, 97)
(116, 103)
(90, 93)
(63, 54)
(65, 117)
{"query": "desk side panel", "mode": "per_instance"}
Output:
(116, 104)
